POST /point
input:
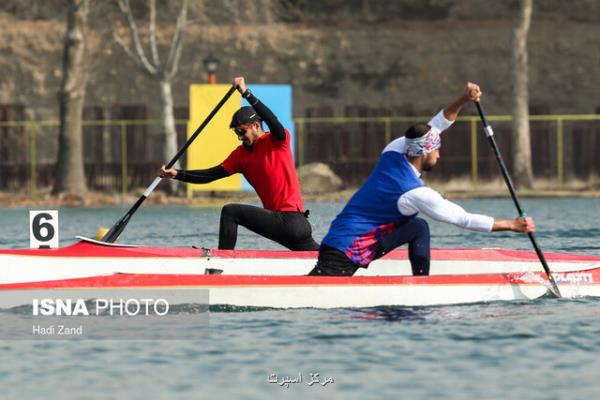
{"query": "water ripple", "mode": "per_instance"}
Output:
(543, 349)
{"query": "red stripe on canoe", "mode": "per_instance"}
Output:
(84, 249)
(173, 280)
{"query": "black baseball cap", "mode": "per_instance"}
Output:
(244, 115)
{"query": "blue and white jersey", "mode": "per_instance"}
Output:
(392, 194)
(372, 211)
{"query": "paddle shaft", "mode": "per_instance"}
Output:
(513, 193)
(116, 230)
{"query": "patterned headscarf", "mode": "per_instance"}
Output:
(423, 145)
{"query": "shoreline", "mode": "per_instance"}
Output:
(215, 199)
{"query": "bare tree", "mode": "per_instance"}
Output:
(523, 173)
(70, 176)
(162, 71)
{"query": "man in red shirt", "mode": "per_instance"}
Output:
(265, 160)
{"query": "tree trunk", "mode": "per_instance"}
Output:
(523, 173)
(70, 175)
(163, 72)
(169, 131)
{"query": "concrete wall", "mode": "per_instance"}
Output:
(399, 55)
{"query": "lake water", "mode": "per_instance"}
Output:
(543, 349)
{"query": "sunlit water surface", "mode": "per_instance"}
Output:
(544, 349)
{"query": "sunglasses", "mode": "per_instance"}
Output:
(241, 130)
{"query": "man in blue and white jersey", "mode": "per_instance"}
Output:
(382, 215)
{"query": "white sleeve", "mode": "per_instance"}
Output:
(432, 204)
(439, 122)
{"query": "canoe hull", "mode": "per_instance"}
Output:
(276, 278)
(86, 259)
(326, 292)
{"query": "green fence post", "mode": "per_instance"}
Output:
(560, 154)
(388, 130)
(124, 157)
(474, 172)
(34, 127)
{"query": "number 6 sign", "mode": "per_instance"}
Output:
(43, 229)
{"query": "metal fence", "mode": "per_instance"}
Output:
(124, 154)
(118, 154)
(564, 147)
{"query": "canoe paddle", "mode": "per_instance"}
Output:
(490, 135)
(114, 232)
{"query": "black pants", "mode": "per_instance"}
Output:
(289, 229)
(415, 232)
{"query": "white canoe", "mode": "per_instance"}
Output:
(275, 279)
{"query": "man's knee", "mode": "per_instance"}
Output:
(229, 209)
(230, 212)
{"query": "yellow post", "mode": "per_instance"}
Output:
(124, 187)
(388, 130)
(216, 141)
(474, 171)
(560, 154)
